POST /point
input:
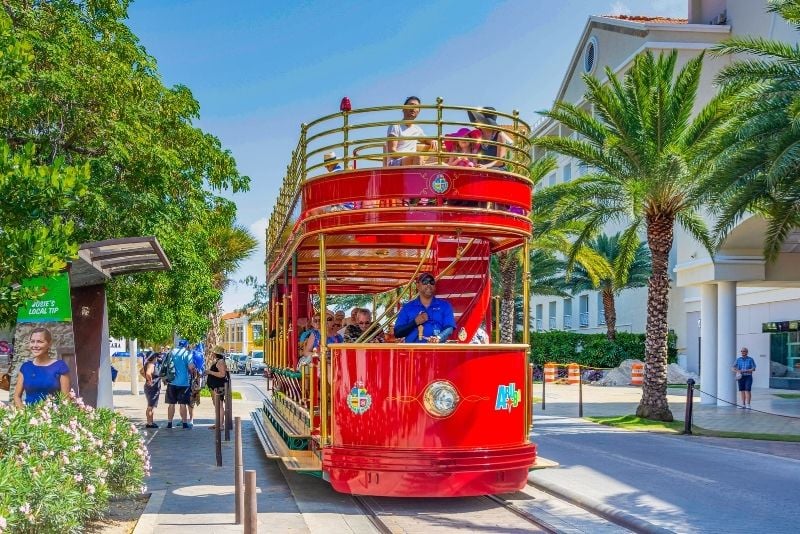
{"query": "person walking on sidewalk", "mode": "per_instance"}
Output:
(218, 378)
(178, 368)
(744, 368)
(152, 386)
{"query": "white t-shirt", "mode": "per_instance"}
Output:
(402, 131)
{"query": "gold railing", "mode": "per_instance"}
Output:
(359, 139)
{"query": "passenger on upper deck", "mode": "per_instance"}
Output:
(491, 132)
(463, 149)
(333, 166)
(405, 135)
(426, 319)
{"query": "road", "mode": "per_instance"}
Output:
(680, 483)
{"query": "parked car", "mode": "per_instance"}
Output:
(254, 365)
(236, 362)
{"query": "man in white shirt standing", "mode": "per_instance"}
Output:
(402, 137)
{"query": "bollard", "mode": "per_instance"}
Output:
(228, 410)
(217, 429)
(573, 374)
(250, 503)
(544, 384)
(687, 420)
(637, 374)
(238, 467)
(580, 392)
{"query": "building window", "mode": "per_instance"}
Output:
(567, 314)
(590, 56)
(538, 317)
(601, 310)
(583, 304)
(552, 315)
(551, 180)
(568, 172)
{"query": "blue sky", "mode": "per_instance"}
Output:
(261, 68)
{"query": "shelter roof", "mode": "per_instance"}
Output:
(646, 19)
(98, 261)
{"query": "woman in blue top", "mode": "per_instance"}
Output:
(40, 376)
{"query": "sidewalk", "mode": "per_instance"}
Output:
(190, 494)
(765, 417)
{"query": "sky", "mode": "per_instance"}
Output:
(260, 68)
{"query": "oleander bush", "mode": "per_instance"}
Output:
(61, 460)
(595, 349)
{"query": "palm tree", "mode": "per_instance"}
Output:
(622, 277)
(550, 241)
(232, 244)
(648, 158)
(760, 159)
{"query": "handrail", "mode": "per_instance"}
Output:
(341, 131)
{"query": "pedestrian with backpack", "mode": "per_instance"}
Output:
(176, 372)
(152, 385)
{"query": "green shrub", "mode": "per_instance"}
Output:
(60, 461)
(597, 351)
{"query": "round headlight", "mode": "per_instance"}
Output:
(441, 398)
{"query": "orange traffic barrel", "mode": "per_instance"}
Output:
(637, 374)
(573, 373)
(549, 372)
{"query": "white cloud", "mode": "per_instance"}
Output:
(620, 8)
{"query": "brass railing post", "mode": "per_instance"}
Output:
(497, 319)
(515, 155)
(323, 345)
(526, 335)
(285, 329)
(439, 102)
(345, 142)
(301, 178)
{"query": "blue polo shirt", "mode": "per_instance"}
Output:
(440, 317)
(745, 364)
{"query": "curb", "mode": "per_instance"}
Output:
(148, 521)
(605, 511)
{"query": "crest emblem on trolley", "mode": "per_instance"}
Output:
(440, 184)
(359, 400)
(508, 397)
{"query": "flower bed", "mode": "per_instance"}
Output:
(61, 460)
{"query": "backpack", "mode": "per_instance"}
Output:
(167, 370)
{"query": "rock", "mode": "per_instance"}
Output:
(778, 369)
(678, 375)
(621, 375)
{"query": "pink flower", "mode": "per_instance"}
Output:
(78, 477)
(90, 489)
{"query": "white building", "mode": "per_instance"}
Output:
(718, 303)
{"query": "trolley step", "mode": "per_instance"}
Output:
(290, 428)
(544, 463)
(275, 447)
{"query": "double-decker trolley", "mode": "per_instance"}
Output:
(354, 217)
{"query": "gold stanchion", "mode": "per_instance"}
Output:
(323, 332)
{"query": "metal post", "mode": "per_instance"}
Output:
(497, 319)
(250, 503)
(133, 360)
(238, 473)
(345, 141)
(218, 429)
(687, 423)
(544, 386)
(228, 410)
(323, 345)
(513, 152)
(526, 333)
(439, 101)
(580, 391)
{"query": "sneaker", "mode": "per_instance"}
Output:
(187, 425)
(169, 425)
(151, 425)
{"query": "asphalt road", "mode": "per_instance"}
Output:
(680, 483)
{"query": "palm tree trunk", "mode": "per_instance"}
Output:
(653, 404)
(212, 336)
(610, 309)
(508, 280)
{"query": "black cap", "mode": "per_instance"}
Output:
(426, 278)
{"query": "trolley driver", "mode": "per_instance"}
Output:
(426, 319)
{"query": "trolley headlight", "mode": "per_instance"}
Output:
(441, 398)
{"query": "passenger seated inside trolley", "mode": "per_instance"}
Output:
(425, 319)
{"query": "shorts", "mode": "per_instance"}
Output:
(152, 393)
(745, 383)
(178, 394)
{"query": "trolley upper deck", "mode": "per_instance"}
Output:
(378, 219)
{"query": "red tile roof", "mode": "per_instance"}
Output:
(642, 19)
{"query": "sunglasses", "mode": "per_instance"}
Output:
(428, 282)
(364, 322)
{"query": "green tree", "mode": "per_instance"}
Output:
(91, 95)
(760, 158)
(622, 276)
(648, 158)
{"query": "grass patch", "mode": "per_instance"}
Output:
(631, 422)
(681, 386)
(788, 395)
(236, 395)
(537, 399)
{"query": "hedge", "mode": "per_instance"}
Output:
(597, 351)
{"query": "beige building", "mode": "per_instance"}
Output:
(241, 333)
(721, 302)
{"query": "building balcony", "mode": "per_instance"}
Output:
(552, 323)
(584, 320)
(567, 322)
